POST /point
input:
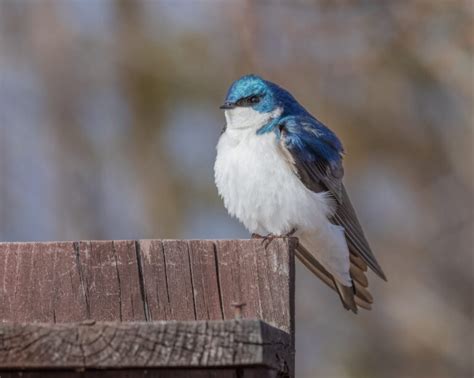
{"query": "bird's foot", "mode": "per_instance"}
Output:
(291, 233)
(267, 239)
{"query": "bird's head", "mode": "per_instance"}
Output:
(250, 91)
(252, 102)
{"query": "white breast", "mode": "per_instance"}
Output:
(258, 187)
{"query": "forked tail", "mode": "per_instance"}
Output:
(352, 297)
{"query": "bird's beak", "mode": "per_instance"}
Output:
(227, 105)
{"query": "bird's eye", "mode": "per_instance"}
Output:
(248, 101)
(254, 99)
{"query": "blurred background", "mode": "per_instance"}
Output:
(109, 120)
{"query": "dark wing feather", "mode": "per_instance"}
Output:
(345, 216)
(318, 177)
(315, 155)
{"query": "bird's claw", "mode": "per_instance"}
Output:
(267, 239)
(291, 233)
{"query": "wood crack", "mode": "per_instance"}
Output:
(192, 279)
(82, 279)
(166, 278)
(118, 281)
(219, 290)
(141, 281)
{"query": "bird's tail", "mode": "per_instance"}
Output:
(352, 297)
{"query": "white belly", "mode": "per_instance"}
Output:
(260, 189)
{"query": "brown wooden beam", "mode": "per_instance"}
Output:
(145, 345)
(148, 280)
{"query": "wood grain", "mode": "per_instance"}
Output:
(231, 343)
(205, 280)
(148, 280)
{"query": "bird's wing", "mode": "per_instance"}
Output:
(358, 244)
(315, 155)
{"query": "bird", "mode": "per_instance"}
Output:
(279, 171)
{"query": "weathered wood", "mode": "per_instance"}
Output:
(147, 280)
(40, 282)
(206, 285)
(232, 343)
(258, 278)
(109, 280)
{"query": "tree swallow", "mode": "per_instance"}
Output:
(279, 171)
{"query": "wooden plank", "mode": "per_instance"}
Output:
(70, 303)
(17, 281)
(206, 291)
(148, 280)
(276, 272)
(40, 282)
(153, 281)
(97, 264)
(259, 279)
(109, 280)
(238, 276)
(144, 345)
(179, 281)
(131, 304)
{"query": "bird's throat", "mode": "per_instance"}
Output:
(244, 118)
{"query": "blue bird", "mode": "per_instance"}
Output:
(279, 171)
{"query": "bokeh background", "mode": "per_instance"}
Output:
(109, 119)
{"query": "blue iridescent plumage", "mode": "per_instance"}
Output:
(310, 142)
(305, 136)
(311, 139)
